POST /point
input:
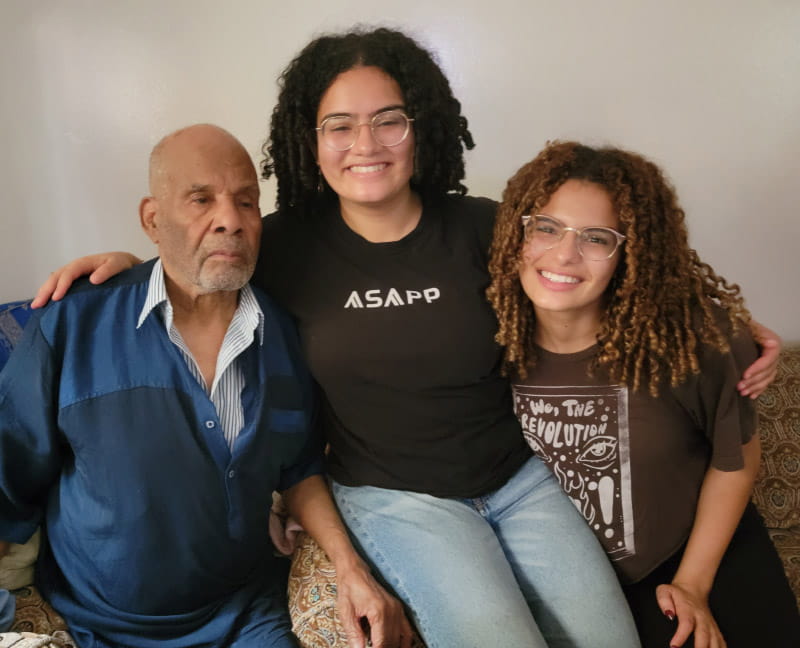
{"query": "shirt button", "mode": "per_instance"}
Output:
(231, 474)
(210, 424)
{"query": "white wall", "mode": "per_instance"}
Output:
(708, 88)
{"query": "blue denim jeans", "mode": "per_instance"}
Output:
(7, 608)
(516, 568)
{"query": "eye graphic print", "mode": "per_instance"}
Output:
(538, 449)
(599, 453)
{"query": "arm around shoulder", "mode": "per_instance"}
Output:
(99, 267)
(760, 374)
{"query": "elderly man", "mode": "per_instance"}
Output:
(144, 423)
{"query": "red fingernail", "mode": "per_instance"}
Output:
(671, 616)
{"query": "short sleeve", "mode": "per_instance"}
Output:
(729, 419)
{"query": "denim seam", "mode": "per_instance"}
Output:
(422, 623)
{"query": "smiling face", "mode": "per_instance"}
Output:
(560, 281)
(368, 174)
(203, 213)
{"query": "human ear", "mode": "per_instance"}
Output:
(148, 209)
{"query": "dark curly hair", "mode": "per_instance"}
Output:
(440, 131)
(662, 300)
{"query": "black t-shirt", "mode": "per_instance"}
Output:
(400, 336)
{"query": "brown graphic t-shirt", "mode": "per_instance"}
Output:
(632, 464)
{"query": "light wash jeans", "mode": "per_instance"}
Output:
(516, 568)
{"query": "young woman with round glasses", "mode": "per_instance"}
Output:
(382, 260)
(624, 351)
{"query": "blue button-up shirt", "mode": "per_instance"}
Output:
(157, 525)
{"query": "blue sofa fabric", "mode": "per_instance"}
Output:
(13, 317)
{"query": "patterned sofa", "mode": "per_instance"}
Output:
(312, 586)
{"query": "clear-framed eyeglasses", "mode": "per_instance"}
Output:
(389, 128)
(544, 232)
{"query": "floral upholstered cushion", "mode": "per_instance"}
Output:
(787, 542)
(312, 598)
(777, 492)
(35, 615)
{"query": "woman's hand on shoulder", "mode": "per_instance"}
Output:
(99, 267)
(758, 376)
(693, 615)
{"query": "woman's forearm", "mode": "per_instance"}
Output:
(723, 498)
(311, 504)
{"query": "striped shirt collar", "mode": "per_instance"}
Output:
(157, 295)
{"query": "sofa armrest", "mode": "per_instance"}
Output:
(35, 615)
(777, 489)
(312, 598)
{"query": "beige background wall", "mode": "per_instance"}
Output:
(708, 88)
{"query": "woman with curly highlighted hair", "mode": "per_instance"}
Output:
(624, 350)
(382, 260)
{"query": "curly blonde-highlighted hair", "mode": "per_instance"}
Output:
(662, 300)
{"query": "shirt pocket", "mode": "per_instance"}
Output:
(288, 414)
